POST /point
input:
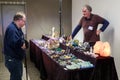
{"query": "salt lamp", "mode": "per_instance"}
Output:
(106, 49)
(102, 48)
(97, 47)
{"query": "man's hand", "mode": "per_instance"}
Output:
(23, 46)
(69, 38)
(98, 32)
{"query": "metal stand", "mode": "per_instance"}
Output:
(60, 16)
(26, 68)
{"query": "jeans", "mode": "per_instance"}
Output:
(15, 68)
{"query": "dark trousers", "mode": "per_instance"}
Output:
(15, 68)
(92, 44)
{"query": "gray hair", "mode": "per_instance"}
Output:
(18, 16)
(88, 7)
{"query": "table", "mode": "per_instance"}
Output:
(104, 67)
(37, 59)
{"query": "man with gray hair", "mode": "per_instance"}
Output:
(89, 22)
